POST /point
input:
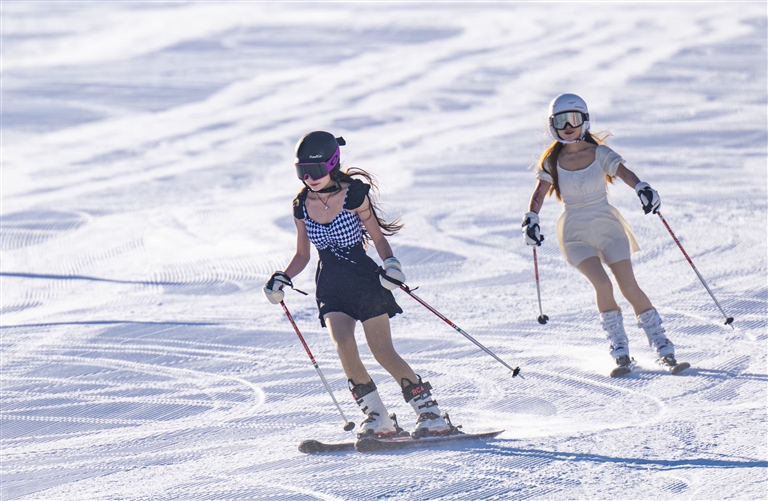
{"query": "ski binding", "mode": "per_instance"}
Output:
(673, 366)
(624, 369)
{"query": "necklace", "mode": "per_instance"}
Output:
(330, 192)
(325, 202)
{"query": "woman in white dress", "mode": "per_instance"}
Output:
(591, 232)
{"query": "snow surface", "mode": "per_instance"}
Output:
(146, 186)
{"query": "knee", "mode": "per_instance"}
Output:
(344, 341)
(383, 352)
(603, 285)
(632, 292)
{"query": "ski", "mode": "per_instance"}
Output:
(317, 447)
(677, 368)
(620, 371)
(407, 442)
(671, 365)
(623, 370)
(389, 444)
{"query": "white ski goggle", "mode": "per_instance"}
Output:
(566, 118)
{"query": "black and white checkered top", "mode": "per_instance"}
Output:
(345, 231)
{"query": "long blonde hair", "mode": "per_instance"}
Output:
(548, 160)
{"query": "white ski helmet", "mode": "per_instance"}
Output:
(564, 103)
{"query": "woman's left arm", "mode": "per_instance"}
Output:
(627, 176)
(374, 230)
(391, 266)
(648, 196)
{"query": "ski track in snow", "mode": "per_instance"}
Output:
(146, 198)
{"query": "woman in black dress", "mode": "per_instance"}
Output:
(336, 214)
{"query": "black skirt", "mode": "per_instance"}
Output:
(351, 286)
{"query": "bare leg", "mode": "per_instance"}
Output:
(379, 337)
(625, 278)
(342, 329)
(593, 269)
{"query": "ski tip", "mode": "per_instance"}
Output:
(311, 447)
(679, 368)
(317, 447)
(620, 372)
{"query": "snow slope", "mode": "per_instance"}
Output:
(146, 189)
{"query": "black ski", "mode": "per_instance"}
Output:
(316, 447)
(677, 368)
(623, 370)
(397, 443)
(389, 444)
(671, 365)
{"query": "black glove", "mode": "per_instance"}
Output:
(648, 197)
(531, 230)
(273, 289)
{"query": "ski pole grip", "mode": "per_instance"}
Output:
(395, 281)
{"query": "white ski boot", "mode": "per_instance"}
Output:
(377, 423)
(613, 325)
(650, 322)
(429, 420)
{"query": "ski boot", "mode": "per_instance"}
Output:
(429, 420)
(377, 423)
(650, 322)
(613, 325)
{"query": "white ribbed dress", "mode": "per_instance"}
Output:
(589, 226)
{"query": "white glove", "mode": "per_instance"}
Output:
(531, 230)
(393, 269)
(648, 197)
(273, 289)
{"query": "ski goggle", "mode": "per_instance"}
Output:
(317, 170)
(566, 118)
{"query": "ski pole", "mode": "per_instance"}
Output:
(728, 320)
(542, 317)
(349, 426)
(515, 371)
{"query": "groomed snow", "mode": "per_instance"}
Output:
(147, 179)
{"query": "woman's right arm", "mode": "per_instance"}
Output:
(539, 193)
(301, 257)
(531, 230)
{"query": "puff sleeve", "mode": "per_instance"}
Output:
(298, 204)
(356, 194)
(608, 159)
(543, 175)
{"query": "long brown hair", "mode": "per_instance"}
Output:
(548, 160)
(347, 176)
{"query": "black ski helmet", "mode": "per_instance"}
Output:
(318, 146)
